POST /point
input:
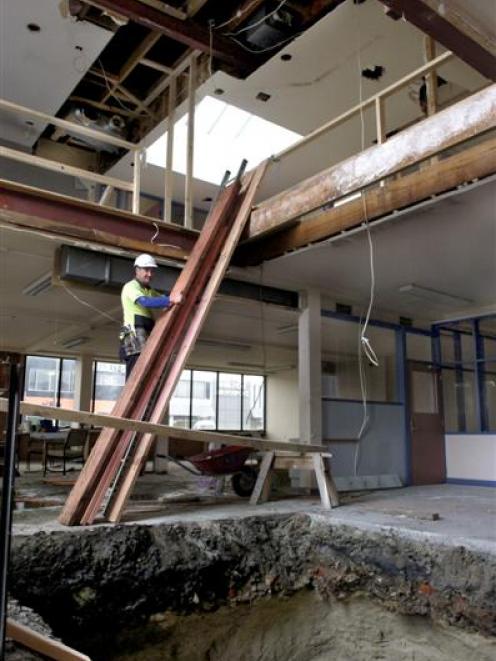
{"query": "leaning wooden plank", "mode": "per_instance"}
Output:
(194, 328)
(172, 338)
(37, 642)
(461, 121)
(165, 431)
(144, 372)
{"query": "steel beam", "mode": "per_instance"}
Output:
(69, 218)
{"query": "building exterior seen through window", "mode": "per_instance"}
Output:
(49, 381)
(203, 399)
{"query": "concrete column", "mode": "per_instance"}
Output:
(310, 367)
(83, 383)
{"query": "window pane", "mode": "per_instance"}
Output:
(340, 340)
(490, 381)
(418, 347)
(229, 401)
(179, 407)
(447, 347)
(253, 402)
(41, 382)
(67, 383)
(204, 396)
(109, 381)
(459, 399)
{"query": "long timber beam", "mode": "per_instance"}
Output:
(164, 431)
(435, 178)
(58, 215)
(457, 24)
(473, 116)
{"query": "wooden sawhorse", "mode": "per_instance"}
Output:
(275, 460)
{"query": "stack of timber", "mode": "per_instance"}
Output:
(118, 457)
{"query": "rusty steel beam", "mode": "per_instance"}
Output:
(456, 25)
(69, 218)
(187, 32)
(473, 116)
(438, 177)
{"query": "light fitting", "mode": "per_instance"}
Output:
(38, 286)
(285, 330)
(75, 342)
(227, 344)
(433, 295)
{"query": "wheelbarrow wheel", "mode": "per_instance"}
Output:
(243, 482)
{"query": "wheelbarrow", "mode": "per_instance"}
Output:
(229, 460)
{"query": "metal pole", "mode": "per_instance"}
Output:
(188, 187)
(169, 174)
(7, 498)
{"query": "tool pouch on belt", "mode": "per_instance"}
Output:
(132, 340)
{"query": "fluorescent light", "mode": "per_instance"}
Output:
(227, 344)
(38, 286)
(286, 330)
(224, 135)
(433, 295)
(74, 342)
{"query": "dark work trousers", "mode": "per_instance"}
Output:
(130, 362)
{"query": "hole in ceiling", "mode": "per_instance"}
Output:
(262, 96)
(285, 57)
(373, 73)
(219, 91)
(33, 27)
(79, 48)
(29, 122)
(207, 199)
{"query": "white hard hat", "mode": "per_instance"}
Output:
(145, 262)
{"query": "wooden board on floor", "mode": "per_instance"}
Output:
(37, 642)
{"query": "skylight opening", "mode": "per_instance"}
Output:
(224, 136)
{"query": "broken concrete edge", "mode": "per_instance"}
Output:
(91, 586)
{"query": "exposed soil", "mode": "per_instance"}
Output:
(92, 586)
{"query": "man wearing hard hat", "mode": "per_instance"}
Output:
(138, 302)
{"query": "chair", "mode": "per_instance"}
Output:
(93, 435)
(35, 447)
(72, 449)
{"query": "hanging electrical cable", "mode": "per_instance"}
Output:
(364, 345)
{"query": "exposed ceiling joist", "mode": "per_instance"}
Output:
(456, 25)
(186, 32)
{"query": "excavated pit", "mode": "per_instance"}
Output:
(272, 587)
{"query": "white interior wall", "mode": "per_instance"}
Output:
(471, 457)
(282, 405)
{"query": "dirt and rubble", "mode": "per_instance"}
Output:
(108, 590)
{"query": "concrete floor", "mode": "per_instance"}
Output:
(444, 514)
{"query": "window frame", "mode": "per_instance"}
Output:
(261, 430)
